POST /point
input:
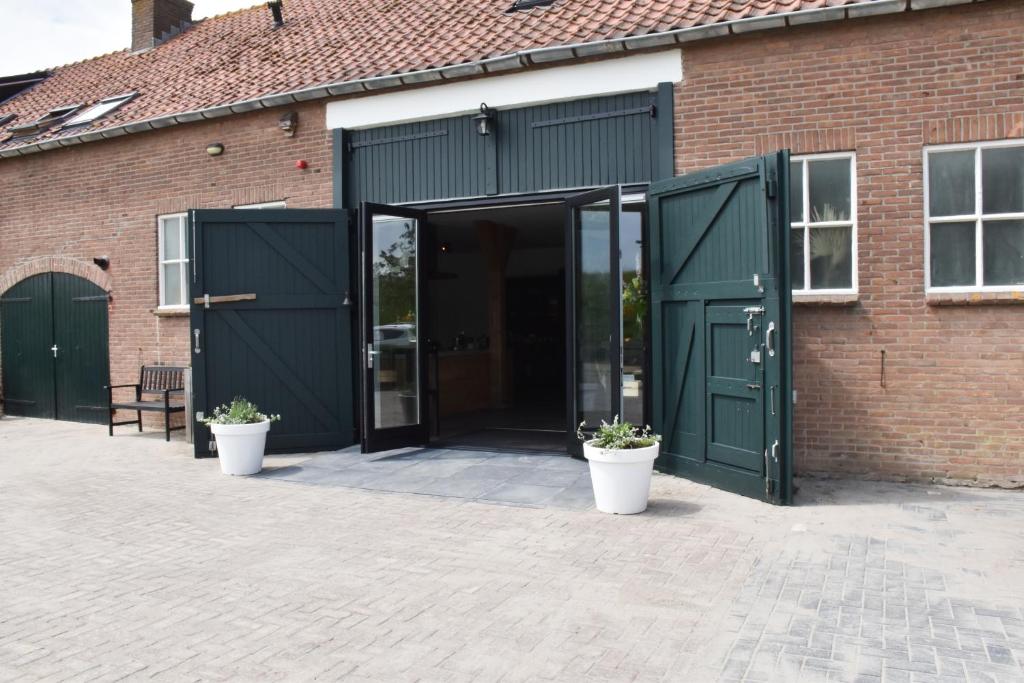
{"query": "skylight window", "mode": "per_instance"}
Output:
(43, 122)
(98, 110)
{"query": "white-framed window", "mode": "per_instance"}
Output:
(823, 222)
(263, 205)
(974, 217)
(173, 258)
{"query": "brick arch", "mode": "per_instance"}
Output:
(58, 264)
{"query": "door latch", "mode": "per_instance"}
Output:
(369, 356)
(753, 386)
(54, 349)
(751, 311)
(195, 333)
(769, 339)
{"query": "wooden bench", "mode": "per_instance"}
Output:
(164, 381)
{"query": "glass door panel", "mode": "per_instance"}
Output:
(595, 367)
(393, 398)
(634, 311)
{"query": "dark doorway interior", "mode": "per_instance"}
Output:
(495, 279)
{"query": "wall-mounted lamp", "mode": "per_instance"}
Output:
(484, 120)
(445, 247)
(215, 149)
(102, 261)
(288, 123)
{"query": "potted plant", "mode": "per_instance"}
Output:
(241, 433)
(621, 459)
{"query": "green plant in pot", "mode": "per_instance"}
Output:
(621, 459)
(240, 430)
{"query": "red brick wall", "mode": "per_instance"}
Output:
(952, 407)
(103, 199)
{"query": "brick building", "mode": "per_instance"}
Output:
(905, 121)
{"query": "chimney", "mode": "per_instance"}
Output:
(153, 21)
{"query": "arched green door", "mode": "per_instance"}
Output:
(53, 348)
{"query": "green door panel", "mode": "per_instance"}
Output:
(26, 335)
(288, 349)
(82, 363)
(721, 326)
(735, 418)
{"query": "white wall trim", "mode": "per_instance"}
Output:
(591, 79)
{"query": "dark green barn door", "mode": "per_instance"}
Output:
(80, 334)
(271, 320)
(721, 326)
(594, 320)
(53, 329)
(393, 359)
(26, 333)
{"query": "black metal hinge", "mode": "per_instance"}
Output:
(400, 138)
(649, 110)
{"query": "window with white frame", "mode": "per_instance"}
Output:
(823, 221)
(974, 209)
(173, 260)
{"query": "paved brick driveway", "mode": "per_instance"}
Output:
(125, 558)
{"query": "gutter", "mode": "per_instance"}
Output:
(504, 63)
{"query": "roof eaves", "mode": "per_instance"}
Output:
(516, 60)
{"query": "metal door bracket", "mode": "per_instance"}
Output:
(750, 312)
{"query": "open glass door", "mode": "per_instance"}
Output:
(594, 316)
(394, 407)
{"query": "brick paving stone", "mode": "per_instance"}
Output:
(125, 558)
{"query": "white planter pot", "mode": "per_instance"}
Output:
(621, 478)
(240, 447)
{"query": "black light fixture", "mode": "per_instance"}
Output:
(484, 120)
(102, 261)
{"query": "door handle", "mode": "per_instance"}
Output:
(54, 349)
(195, 333)
(206, 299)
(771, 395)
(369, 356)
(753, 386)
(769, 338)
